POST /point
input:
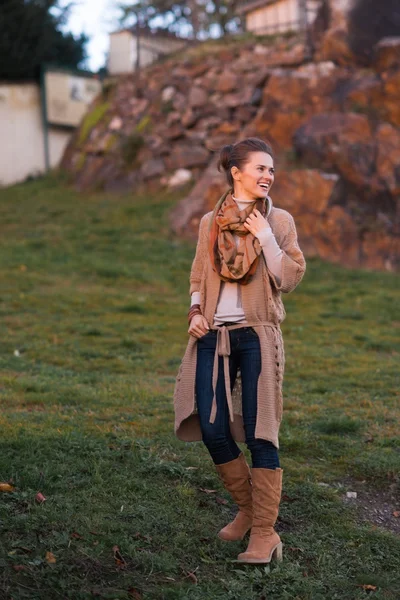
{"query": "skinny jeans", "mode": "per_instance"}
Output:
(246, 356)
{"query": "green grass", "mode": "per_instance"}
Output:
(94, 301)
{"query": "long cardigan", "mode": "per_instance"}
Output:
(262, 303)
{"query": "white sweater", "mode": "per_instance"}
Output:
(229, 307)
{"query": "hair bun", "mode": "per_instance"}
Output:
(224, 157)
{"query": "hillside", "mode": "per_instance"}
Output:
(334, 127)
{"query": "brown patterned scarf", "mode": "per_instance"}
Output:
(234, 263)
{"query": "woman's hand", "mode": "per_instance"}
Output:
(198, 326)
(255, 222)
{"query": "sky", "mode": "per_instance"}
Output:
(96, 18)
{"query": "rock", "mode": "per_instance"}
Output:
(197, 97)
(304, 191)
(335, 47)
(227, 127)
(387, 176)
(333, 43)
(261, 50)
(387, 54)
(153, 168)
(186, 156)
(334, 141)
(227, 82)
(185, 217)
(174, 132)
(214, 143)
(115, 124)
(390, 105)
(352, 495)
(189, 118)
(168, 93)
(180, 177)
(292, 96)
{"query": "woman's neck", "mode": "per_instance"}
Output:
(243, 200)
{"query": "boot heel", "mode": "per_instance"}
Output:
(277, 553)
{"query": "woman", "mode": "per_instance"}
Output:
(247, 254)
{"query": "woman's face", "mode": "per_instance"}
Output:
(255, 179)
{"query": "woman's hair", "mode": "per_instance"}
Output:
(237, 155)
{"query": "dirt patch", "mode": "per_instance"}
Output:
(378, 507)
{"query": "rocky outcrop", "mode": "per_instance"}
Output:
(333, 126)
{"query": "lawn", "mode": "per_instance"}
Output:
(93, 306)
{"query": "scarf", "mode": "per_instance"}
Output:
(234, 263)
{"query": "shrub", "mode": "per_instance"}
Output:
(369, 22)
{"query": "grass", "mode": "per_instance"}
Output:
(93, 303)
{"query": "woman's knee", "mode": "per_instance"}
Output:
(213, 437)
(263, 453)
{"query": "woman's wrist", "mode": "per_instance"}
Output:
(194, 310)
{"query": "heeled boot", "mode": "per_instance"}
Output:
(264, 543)
(235, 476)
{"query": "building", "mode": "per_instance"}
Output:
(132, 48)
(267, 17)
(37, 120)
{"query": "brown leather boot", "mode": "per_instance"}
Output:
(264, 542)
(235, 476)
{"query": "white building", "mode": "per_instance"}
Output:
(263, 17)
(129, 50)
(37, 122)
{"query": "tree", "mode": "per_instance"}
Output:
(197, 19)
(30, 35)
(369, 22)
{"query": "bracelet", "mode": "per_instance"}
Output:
(194, 310)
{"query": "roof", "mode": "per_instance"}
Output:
(152, 33)
(249, 5)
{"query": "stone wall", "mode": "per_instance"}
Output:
(334, 128)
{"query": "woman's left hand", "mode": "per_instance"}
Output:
(255, 222)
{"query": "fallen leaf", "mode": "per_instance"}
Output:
(286, 498)
(6, 487)
(368, 587)
(40, 498)
(207, 491)
(50, 558)
(135, 594)
(191, 575)
(396, 513)
(19, 568)
(221, 500)
(119, 559)
(76, 536)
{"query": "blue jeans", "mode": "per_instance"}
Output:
(246, 355)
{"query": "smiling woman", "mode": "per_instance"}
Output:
(247, 254)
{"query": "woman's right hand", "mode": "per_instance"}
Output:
(198, 326)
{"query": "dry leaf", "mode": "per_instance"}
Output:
(76, 536)
(50, 558)
(208, 491)
(221, 500)
(191, 575)
(6, 487)
(286, 498)
(119, 559)
(396, 513)
(368, 587)
(40, 498)
(19, 568)
(135, 594)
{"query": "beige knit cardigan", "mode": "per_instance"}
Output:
(262, 303)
